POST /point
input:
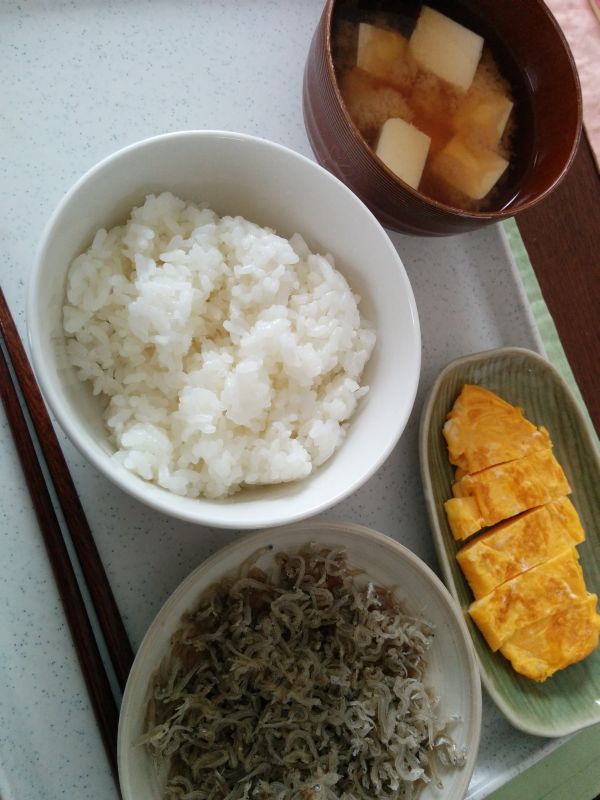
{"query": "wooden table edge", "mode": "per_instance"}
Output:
(562, 237)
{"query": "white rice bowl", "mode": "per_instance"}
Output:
(272, 186)
(229, 356)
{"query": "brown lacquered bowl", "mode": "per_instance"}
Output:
(532, 55)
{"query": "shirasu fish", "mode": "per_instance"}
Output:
(301, 683)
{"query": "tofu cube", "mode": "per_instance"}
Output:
(381, 53)
(444, 47)
(472, 170)
(482, 118)
(403, 148)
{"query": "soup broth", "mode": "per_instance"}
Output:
(460, 124)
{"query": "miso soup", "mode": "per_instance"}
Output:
(427, 96)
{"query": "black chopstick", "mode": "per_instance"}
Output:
(109, 618)
(90, 659)
(96, 679)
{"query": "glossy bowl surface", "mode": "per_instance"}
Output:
(532, 54)
(452, 669)
(273, 186)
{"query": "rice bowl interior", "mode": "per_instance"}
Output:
(230, 355)
(274, 187)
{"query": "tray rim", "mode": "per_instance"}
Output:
(502, 773)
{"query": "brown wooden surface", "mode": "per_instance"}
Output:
(99, 689)
(562, 236)
(109, 618)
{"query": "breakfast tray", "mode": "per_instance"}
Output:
(80, 81)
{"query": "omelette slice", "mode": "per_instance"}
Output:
(528, 598)
(567, 635)
(520, 543)
(464, 516)
(500, 492)
(483, 430)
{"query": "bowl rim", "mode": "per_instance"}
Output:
(508, 211)
(321, 528)
(201, 510)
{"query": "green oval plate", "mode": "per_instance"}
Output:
(570, 699)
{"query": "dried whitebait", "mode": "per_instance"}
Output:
(302, 684)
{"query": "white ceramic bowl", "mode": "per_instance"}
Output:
(272, 186)
(452, 670)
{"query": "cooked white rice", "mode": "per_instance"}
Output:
(229, 355)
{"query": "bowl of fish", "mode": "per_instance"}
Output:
(224, 329)
(446, 116)
(318, 660)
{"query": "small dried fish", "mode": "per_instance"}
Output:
(300, 684)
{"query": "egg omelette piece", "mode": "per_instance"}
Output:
(464, 517)
(518, 544)
(567, 635)
(500, 492)
(528, 597)
(483, 430)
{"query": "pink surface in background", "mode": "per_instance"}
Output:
(581, 26)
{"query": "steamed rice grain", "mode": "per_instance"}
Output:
(228, 355)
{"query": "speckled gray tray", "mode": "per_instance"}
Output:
(80, 80)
